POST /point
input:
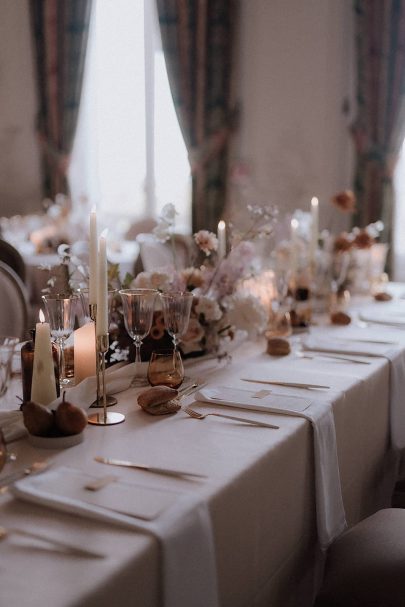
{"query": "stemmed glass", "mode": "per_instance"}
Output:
(61, 312)
(176, 312)
(280, 322)
(138, 306)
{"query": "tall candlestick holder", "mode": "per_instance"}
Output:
(110, 400)
(104, 418)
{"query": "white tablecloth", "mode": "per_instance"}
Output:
(260, 489)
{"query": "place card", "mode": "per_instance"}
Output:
(248, 399)
(66, 489)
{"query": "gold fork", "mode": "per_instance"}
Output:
(253, 422)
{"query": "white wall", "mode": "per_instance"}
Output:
(296, 71)
(296, 59)
(19, 157)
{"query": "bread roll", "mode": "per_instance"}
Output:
(340, 318)
(382, 296)
(277, 346)
(159, 400)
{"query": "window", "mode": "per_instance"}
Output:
(129, 156)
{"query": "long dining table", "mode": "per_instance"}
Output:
(256, 538)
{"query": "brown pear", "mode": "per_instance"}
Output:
(38, 420)
(70, 419)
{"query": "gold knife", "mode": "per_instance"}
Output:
(126, 464)
(289, 384)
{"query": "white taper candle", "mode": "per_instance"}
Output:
(93, 246)
(102, 287)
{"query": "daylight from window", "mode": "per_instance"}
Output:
(129, 156)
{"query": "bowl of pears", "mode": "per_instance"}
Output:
(54, 429)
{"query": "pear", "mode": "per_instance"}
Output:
(38, 420)
(70, 419)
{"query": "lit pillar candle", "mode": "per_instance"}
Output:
(102, 287)
(43, 388)
(221, 235)
(93, 250)
(84, 352)
(314, 228)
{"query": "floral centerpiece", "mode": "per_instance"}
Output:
(355, 258)
(221, 306)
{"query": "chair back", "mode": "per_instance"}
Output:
(12, 257)
(13, 303)
(154, 254)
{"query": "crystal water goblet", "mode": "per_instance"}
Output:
(139, 305)
(176, 312)
(61, 313)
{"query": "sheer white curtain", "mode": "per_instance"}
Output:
(129, 156)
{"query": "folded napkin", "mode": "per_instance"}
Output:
(330, 513)
(182, 527)
(396, 357)
(12, 426)
(340, 346)
(394, 319)
(117, 379)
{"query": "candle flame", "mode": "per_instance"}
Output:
(41, 316)
(104, 233)
(314, 202)
(221, 225)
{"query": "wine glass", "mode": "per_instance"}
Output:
(166, 369)
(138, 306)
(84, 300)
(61, 313)
(176, 312)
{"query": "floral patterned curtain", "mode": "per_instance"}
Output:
(380, 125)
(197, 38)
(60, 31)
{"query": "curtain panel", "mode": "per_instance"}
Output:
(379, 128)
(197, 39)
(60, 33)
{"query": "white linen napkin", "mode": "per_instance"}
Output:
(396, 358)
(340, 346)
(12, 426)
(394, 318)
(183, 529)
(330, 513)
(117, 379)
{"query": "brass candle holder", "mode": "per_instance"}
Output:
(104, 418)
(110, 400)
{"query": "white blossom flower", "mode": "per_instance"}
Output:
(206, 241)
(151, 280)
(246, 313)
(209, 308)
(191, 340)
